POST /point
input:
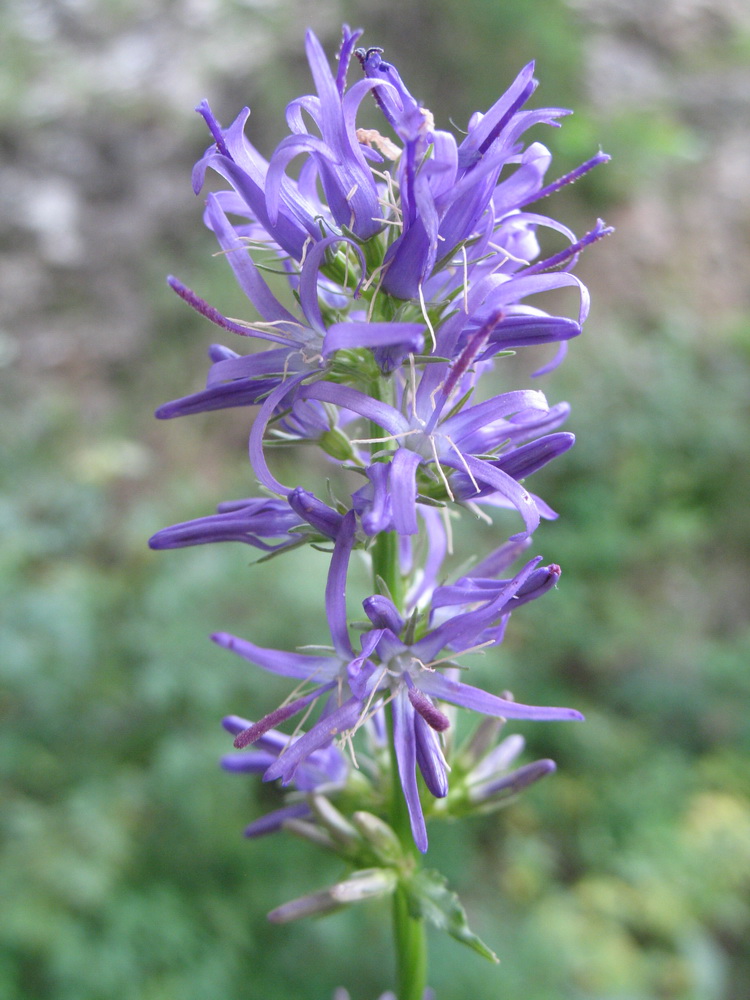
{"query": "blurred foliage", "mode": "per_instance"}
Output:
(123, 873)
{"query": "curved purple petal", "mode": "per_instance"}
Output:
(266, 518)
(383, 414)
(516, 781)
(473, 418)
(309, 278)
(340, 720)
(336, 586)
(496, 480)
(277, 661)
(373, 502)
(273, 821)
(429, 757)
(247, 274)
(257, 433)
(403, 489)
(315, 512)
(346, 336)
(256, 762)
(529, 458)
(405, 743)
(457, 693)
(243, 392)
(383, 613)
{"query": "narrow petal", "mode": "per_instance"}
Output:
(383, 414)
(257, 433)
(281, 714)
(499, 759)
(336, 586)
(256, 762)
(529, 458)
(383, 613)
(404, 741)
(322, 733)
(506, 486)
(477, 700)
(247, 274)
(403, 490)
(273, 821)
(244, 392)
(511, 784)
(277, 661)
(315, 512)
(310, 278)
(430, 760)
(473, 417)
(345, 336)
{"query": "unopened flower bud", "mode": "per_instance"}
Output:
(336, 444)
(380, 836)
(337, 824)
(360, 886)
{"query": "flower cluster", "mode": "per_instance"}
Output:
(410, 259)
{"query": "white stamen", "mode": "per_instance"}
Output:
(371, 309)
(466, 279)
(382, 440)
(363, 714)
(347, 746)
(477, 511)
(447, 659)
(413, 384)
(427, 319)
(442, 475)
(266, 324)
(508, 255)
(305, 247)
(448, 530)
(463, 462)
(371, 137)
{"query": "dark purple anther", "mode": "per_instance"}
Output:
(434, 718)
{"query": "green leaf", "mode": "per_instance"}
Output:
(430, 898)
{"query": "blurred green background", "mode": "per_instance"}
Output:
(123, 873)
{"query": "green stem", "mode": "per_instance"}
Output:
(385, 565)
(411, 949)
(409, 934)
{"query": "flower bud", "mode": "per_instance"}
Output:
(379, 836)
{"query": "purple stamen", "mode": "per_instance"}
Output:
(214, 128)
(434, 718)
(270, 721)
(571, 252)
(461, 365)
(569, 178)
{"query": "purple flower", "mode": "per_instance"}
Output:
(435, 455)
(453, 195)
(253, 521)
(323, 771)
(256, 521)
(336, 157)
(486, 778)
(393, 669)
(407, 674)
(409, 263)
(330, 677)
